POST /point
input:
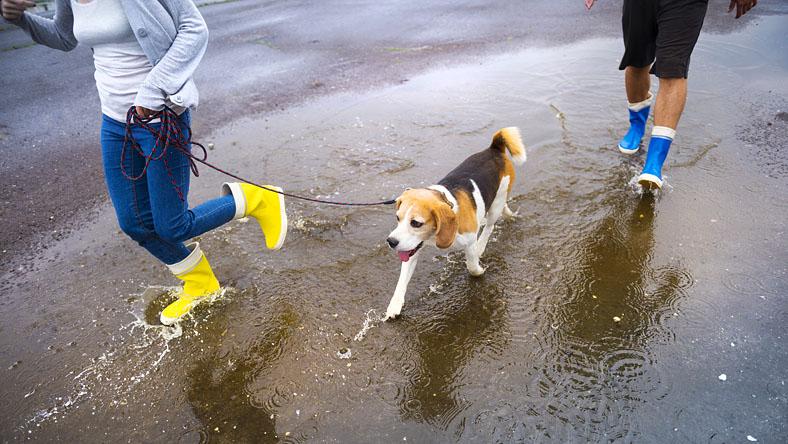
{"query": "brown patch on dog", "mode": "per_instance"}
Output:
(466, 214)
(507, 170)
(445, 225)
(421, 200)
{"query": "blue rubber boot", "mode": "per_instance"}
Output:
(658, 148)
(638, 116)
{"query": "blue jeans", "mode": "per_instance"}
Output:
(150, 210)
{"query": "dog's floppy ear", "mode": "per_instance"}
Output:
(398, 202)
(445, 226)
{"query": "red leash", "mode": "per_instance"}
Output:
(169, 135)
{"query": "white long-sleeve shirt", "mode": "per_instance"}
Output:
(121, 64)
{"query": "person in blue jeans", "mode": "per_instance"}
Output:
(145, 53)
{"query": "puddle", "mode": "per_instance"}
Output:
(605, 313)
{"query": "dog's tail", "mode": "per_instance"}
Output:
(509, 139)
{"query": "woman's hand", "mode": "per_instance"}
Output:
(742, 6)
(13, 9)
(144, 112)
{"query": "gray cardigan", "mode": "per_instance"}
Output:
(172, 34)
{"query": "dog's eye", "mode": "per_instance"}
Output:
(397, 218)
(416, 224)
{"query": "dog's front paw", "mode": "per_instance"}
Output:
(394, 309)
(477, 271)
(391, 315)
(509, 214)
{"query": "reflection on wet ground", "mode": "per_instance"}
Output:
(604, 315)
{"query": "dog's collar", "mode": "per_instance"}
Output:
(446, 195)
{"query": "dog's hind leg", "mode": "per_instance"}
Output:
(493, 214)
(398, 300)
(508, 213)
(481, 244)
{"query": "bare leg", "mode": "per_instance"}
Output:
(670, 102)
(667, 111)
(638, 85)
(638, 82)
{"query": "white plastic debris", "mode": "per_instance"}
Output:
(616, 319)
(751, 438)
(722, 377)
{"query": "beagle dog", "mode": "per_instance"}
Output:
(450, 214)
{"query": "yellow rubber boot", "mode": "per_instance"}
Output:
(199, 282)
(266, 206)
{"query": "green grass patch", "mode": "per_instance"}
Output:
(217, 2)
(265, 42)
(398, 49)
(21, 46)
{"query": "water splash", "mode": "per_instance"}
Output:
(371, 320)
(136, 352)
(638, 189)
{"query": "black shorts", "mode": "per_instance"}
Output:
(665, 30)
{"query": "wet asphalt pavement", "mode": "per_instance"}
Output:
(262, 57)
(604, 315)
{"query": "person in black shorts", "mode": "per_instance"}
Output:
(659, 36)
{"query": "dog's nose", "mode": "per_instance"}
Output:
(392, 242)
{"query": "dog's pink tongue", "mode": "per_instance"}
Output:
(404, 256)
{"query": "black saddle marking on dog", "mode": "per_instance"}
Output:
(483, 168)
